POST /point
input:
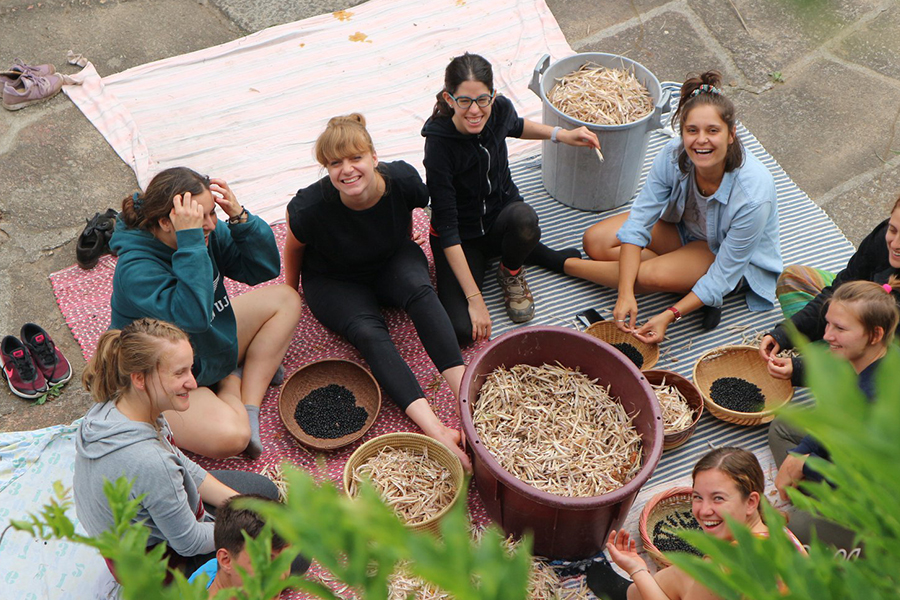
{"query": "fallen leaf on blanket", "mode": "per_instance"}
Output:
(460, 2)
(359, 37)
(254, 90)
(342, 15)
(301, 45)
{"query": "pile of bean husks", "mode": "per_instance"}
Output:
(412, 483)
(603, 96)
(556, 429)
(676, 412)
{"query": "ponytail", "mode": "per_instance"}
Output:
(136, 348)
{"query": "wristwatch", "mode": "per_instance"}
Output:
(675, 312)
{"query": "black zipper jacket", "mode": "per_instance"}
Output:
(468, 176)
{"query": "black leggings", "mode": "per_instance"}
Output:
(353, 310)
(514, 237)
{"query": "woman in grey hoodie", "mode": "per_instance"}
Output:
(137, 373)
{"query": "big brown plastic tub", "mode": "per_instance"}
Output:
(563, 528)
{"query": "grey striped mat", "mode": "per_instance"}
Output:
(808, 237)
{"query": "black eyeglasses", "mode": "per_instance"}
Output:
(465, 102)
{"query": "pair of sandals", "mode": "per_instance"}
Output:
(94, 239)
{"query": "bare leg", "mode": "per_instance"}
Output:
(420, 412)
(266, 320)
(214, 425)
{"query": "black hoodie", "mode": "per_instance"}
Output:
(468, 176)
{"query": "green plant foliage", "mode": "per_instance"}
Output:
(360, 541)
(862, 439)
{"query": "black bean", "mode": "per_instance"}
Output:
(330, 412)
(632, 353)
(665, 533)
(737, 394)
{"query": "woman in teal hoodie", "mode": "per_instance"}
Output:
(173, 256)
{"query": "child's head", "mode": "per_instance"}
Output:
(727, 481)
(861, 318)
(468, 93)
(228, 536)
(146, 210)
(148, 356)
(344, 137)
(706, 120)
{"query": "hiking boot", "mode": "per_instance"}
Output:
(30, 89)
(13, 74)
(517, 296)
(24, 378)
(46, 356)
(94, 239)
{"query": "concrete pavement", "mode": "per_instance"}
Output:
(817, 81)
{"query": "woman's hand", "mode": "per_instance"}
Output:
(225, 198)
(623, 550)
(768, 347)
(579, 137)
(186, 213)
(790, 473)
(780, 368)
(480, 317)
(654, 330)
(625, 313)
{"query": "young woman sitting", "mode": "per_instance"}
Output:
(137, 375)
(727, 482)
(350, 235)
(803, 292)
(705, 220)
(478, 213)
(174, 254)
(860, 322)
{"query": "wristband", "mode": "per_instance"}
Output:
(239, 218)
(554, 133)
(633, 573)
(675, 312)
(478, 293)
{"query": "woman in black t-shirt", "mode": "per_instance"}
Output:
(350, 233)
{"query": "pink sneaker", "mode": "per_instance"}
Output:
(30, 89)
(13, 74)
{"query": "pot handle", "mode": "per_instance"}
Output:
(539, 68)
(664, 106)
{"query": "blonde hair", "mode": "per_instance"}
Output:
(872, 304)
(136, 348)
(343, 136)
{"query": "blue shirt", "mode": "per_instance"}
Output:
(209, 568)
(741, 225)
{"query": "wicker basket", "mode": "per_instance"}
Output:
(417, 443)
(658, 508)
(746, 363)
(690, 393)
(609, 333)
(319, 374)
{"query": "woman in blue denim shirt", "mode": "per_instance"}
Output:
(705, 218)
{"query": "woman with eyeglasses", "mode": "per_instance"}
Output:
(477, 212)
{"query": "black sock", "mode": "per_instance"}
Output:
(606, 583)
(554, 260)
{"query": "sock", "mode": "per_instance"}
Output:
(555, 260)
(254, 446)
(605, 582)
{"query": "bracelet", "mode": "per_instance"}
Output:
(632, 574)
(478, 293)
(239, 218)
(554, 133)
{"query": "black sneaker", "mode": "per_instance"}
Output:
(47, 357)
(25, 380)
(94, 239)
